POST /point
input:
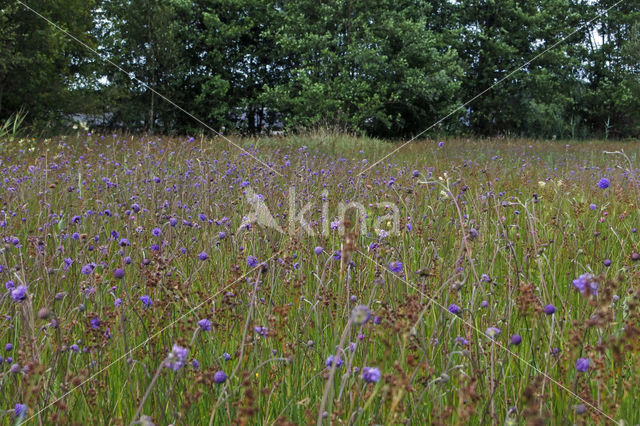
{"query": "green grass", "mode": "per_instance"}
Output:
(527, 200)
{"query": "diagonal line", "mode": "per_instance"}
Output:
(146, 86)
(153, 336)
(553, 46)
(496, 342)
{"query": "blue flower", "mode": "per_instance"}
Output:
(177, 357)
(146, 301)
(205, 324)
(604, 183)
(454, 309)
(19, 293)
(396, 267)
(371, 374)
(19, 411)
(252, 261)
(333, 360)
(582, 365)
(220, 377)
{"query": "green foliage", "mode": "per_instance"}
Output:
(384, 68)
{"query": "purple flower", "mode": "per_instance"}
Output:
(516, 339)
(396, 267)
(95, 323)
(260, 330)
(8, 347)
(203, 256)
(177, 357)
(360, 314)
(146, 301)
(19, 293)
(205, 324)
(462, 341)
(124, 242)
(156, 232)
(318, 250)
(220, 377)
(19, 411)
(252, 261)
(587, 284)
(582, 365)
(455, 309)
(9, 285)
(607, 262)
(222, 235)
(484, 304)
(604, 183)
(371, 374)
(593, 206)
(118, 273)
(333, 360)
(87, 269)
(549, 309)
(117, 302)
(226, 356)
(493, 332)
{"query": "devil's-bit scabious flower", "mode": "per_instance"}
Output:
(493, 332)
(118, 273)
(318, 250)
(371, 374)
(146, 301)
(516, 339)
(19, 293)
(333, 360)
(203, 256)
(252, 261)
(205, 324)
(20, 411)
(220, 377)
(156, 232)
(360, 314)
(454, 309)
(177, 357)
(604, 183)
(582, 365)
(549, 309)
(396, 267)
(587, 284)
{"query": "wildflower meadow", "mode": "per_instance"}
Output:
(475, 282)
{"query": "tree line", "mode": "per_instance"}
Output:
(386, 68)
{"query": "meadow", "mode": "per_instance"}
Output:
(137, 289)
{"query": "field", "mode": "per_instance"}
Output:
(183, 281)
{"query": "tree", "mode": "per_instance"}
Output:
(38, 63)
(372, 67)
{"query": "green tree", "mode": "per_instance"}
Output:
(367, 66)
(39, 64)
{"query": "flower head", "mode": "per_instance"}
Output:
(333, 360)
(177, 357)
(493, 332)
(371, 374)
(454, 309)
(549, 309)
(19, 293)
(146, 301)
(516, 339)
(203, 256)
(587, 284)
(205, 324)
(604, 183)
(360, 314)
(220, 377)
(19, 411)
(582, 365)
